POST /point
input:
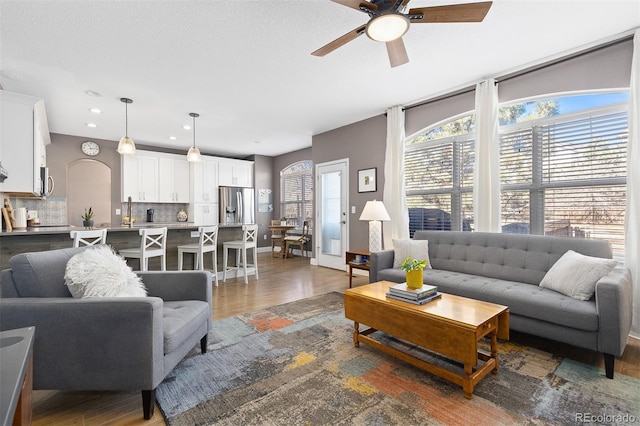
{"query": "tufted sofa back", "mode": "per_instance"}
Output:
(513, 257)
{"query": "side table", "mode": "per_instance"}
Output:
(16, 374)
(350, 259)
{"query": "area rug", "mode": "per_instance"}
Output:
(295, 364)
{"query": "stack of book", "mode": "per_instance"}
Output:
(418, 296)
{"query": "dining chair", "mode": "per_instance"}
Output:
(276, 238)
(297, 240)
(207, 243)
(249, 241)
(89, 237)
(153, 243)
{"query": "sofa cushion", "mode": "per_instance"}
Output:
(99, 272)
(41, 274)
(576, 275)
(180, 319)
(522, 299)
(415, 249)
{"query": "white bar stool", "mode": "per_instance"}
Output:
(249, 240)
(208, 243)
(152, 244)
(89, 237)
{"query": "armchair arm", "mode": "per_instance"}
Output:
(379, 260)
(614, 301)
(178, 285)
(91, 344)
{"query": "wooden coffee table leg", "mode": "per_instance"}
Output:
(356, 333)
(494, 351)
(467, 383)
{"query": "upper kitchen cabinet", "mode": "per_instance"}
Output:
(140, 177)
(24, 134)
(173, 178)
(235, 173)
(204, 183)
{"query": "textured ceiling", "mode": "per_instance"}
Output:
(246, 68)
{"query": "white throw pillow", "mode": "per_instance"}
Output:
(99, 272)
(576, 275)
(416, 249)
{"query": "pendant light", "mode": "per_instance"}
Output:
(126, 145)
(194, 153)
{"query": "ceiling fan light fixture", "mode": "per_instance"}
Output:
(126, 145)
(194, 153)
(387, 27)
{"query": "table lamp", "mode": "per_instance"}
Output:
(374, 212)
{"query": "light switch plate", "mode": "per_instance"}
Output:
(118, 212)
(195, 234)
(353, 209)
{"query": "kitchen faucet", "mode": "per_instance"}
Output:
(129, 211)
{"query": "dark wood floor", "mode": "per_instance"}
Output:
(279, 282)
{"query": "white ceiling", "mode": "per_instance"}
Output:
(246, 66)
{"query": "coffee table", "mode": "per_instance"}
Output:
(451, 326)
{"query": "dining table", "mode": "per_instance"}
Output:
(282, 230)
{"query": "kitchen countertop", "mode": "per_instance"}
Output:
(50, 230)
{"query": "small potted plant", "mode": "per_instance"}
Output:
(283, 221)
(413, 269)
(87, 218)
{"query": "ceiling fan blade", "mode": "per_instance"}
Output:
(469, 12)
(397, 52)
(355, 4)
(340, 41)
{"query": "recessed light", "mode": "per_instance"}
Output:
(92, 125)
(173, 138)
(96, 110)
(92, 93)
(256, 141)
(186, 127)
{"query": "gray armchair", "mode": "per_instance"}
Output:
(104, 343)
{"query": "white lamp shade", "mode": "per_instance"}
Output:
(126, 146)
(193, 155)
(374, 210)
(387, 27)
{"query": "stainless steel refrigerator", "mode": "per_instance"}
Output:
(236, 205)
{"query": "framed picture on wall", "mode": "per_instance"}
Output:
(367, 180)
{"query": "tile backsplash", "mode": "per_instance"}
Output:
(163, 212)
(53, 210)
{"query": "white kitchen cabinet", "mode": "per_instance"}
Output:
(235, 173)
(139, 174)
(173, 179)
(24, 134)
(203, 214)
(204, 183)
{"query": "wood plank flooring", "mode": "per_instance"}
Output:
(280, 282)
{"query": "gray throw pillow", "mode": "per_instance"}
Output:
(416, 249)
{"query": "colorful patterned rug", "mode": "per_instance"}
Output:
(295, 364)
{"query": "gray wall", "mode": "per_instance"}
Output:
(263, 179)
(363, 143)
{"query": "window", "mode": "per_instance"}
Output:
(296, 194)
(439, 176)
(565, 174)
(562, 169)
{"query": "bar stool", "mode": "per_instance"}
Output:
(249, 240)
(207, 243)
(89, 237)
(153, 243)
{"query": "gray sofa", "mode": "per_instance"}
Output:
(104, 343)
(507, 269)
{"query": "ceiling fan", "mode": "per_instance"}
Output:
(389, 21)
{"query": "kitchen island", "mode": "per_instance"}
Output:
(119, 237)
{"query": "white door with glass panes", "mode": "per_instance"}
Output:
(332, 181)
